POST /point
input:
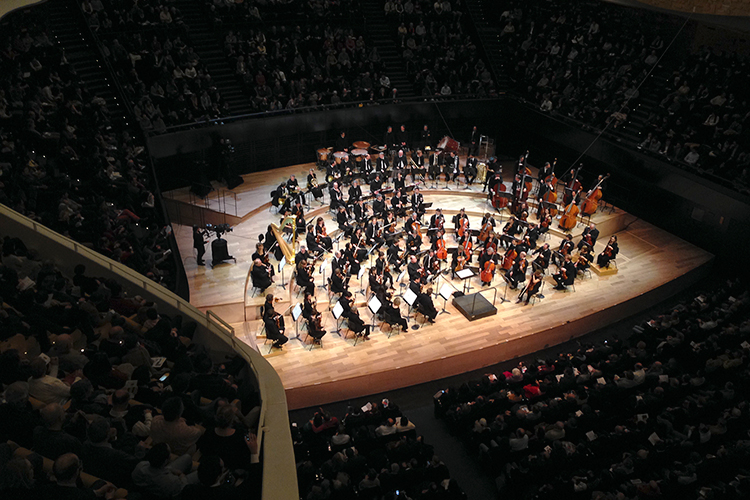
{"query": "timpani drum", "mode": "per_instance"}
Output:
(323, 154)
(481, 172)
(340, 155)
(359, 152)
(361, 145)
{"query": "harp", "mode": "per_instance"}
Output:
(286, 248)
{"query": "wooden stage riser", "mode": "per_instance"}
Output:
(400, 377)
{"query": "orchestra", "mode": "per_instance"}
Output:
(382, 230)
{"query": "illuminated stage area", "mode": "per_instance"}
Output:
(652, 264)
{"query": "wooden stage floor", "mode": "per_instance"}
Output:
(652, 265)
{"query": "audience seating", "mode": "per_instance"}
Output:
(655, 416)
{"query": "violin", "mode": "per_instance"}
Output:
(569, 218)
(488, 272)
(591, 203)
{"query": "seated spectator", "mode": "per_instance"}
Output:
(66, 486)
(162, 478)
(100, 459)
(50, 439)
(171, 428)
(237, 449)
(44, 384)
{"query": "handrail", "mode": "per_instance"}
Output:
(244, 297)
(326, 107)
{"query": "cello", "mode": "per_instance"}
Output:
(488, 272)
(510, 256)
(441, 253)
(591, 203)
(484, 233)
(569, 218)
(464, 227)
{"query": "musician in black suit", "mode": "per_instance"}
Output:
(304, 277)
(381, 165)
(418, 169)
(566, 275)
(342, 143)
(417, 203)
(609, 253)
(470, 170)
(260, 275)
(303, 254)
(425, 306)
(199, 243)
(380, 269)
(517, 273)
(378, 206)
(312, 242)
(357, 325)
(402, 138)
(413, 243)
(394, 255)
(433, 168)
(545, 172)
(399, 163)
(389, 139)
(360, 211)
(346, 302)
(474, 141)
(425, 137)
(397, 204)
(338, 283)
(399, 182)
(355, 192)
(452, 167)
(342, 218)
(436, 218)
(566, 248)
(274, 323)
(492, 181)
(431, 264)
(543, 255)
(367, 168)
(413, 268)
(589, 236)
(337, 198)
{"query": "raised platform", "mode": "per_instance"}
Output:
(652, 264)
(474, 306)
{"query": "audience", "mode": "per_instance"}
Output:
(368, 454)
(67, 387)
(657, 416)
(441, 58)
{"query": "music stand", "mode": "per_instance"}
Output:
(466, 274)
(337, 310)
(410, 297)
(359, 277)
(296, 313)
(282, 263)
(400, 283)
(505, 293)
(445, 292)
(374, 306)
(323, 273)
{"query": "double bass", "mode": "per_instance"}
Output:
(573, 186)
(569, 218)
(591, 203)
(499, 201)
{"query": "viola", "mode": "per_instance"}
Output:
(569, 218)
(488, 272)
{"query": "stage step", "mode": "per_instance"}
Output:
(607, 271)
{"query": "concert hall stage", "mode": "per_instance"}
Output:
(651, 266)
